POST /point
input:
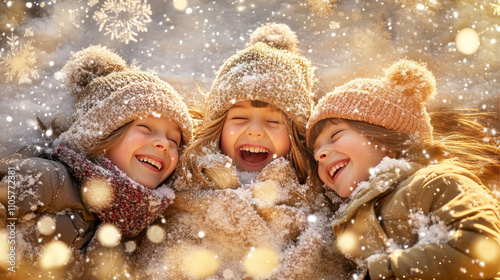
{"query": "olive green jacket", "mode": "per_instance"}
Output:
(413, 222)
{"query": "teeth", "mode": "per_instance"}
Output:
(253, 149)
(151, 161)
(337, 167)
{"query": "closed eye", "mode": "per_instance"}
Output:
(335, 133)
(145, 126)
(274, 122)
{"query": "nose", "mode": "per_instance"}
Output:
(321, 154)
(254, 130)
(161, 143)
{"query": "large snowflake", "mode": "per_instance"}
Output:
(20, 62)
(120, 18)
(323, 8)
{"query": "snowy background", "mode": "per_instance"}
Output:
(185, 41)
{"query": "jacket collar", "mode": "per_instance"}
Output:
(384, 178)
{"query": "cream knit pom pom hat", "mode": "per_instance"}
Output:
(270, 69)
(110, 94)
(396, 101)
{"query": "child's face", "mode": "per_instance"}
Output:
(345, 157)
(253, 137)
(148, 150)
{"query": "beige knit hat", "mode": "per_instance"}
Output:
(269, 69)
(109, 94)
(396, 101)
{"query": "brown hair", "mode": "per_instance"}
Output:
(209, 135)
(459, 137)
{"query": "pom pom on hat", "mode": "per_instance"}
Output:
(276, 35)
(396, 101)
(413, 79)
(88, 64)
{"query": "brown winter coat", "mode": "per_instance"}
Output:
(270, 213)
(435, 222)
(43, 188)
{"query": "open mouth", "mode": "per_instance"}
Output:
(254, 154)
(152, 162)
(336, 168)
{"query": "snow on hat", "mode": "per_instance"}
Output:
(396, 101)
(270, 69)
(110, 94)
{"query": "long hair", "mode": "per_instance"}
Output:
(209, 135)
(107, 143)
(459, 137)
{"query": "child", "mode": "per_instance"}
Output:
(245, 211)
(410, 211)
(108, 168)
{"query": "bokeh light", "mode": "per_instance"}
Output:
(56, 254)
(200, 263)
(108, 235)
(346, 242)
(46, 225)
(261, 262)
(156, 234)
(97, 193)
(467, 41)
(266, 191)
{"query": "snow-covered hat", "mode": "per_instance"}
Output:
(270, 69)
(110, 94)
(396, 101)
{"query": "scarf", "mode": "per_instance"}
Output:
(131, 207)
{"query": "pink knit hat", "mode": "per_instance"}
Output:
(396, 101)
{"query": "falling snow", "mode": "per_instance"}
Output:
(122, 18)
(185, 41)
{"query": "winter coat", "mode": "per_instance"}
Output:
(45, 188)
(69, 189)
(214, 230)
(414, 222)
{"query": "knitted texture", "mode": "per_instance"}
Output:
(396, 101)
(269, 69)
(130, 206)
(109, 94)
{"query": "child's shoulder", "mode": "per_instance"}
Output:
(445, 170)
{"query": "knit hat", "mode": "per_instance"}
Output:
(396, 101)
(110, 94)
(270, 69)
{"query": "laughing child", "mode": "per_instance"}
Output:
(107, 171)
(244, 210)
(412, 210)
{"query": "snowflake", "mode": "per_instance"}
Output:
(323, 7)
(74, 18)
(418, 6)
(334, 25)
(496, 8)
(20, 62)
(120, 17)
(356, 15)
(28, 32)
(92, 3)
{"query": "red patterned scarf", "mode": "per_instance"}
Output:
(132, 207)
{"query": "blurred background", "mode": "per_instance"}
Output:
(185, 42)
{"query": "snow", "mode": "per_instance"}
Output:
(187, 41)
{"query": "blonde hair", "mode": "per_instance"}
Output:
(459, 138)
(209, 135)
(104, 145)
